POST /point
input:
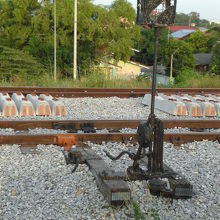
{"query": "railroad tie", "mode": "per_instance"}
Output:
(7, 106)
(41, 106)
(57, 107)
(167, 104)
(24, 106)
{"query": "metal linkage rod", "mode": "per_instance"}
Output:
(157, 32)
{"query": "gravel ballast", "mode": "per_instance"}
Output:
(89, 108)
(41, 186)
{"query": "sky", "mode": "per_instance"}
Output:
(208, 9)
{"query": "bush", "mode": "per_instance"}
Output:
(186, 75)
(192, 79)
(16, 65)
(94, 79)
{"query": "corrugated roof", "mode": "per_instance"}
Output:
(175, 28)
(203, 58)
(182, 33)
(203, 29)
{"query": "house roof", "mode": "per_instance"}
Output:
(111, 62)
(175, 28)
(203, 58)
(203, 29)
(139, 64)
(181, 33)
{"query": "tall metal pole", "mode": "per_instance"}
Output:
(157, 31)
(75, 41)
(152, 116)
(55, 43)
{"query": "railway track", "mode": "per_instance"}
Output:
(104, 92)
(113, 126)
(83, 133)
(67, 140)
(109, 124)
(114, 135)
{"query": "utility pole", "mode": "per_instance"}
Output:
(171, 69)
(171, 65)
(75, 41)
(55, 42)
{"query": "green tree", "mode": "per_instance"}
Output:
(125, 32)
(183, 55)
(28, 25)
(146, 46)
(16, 64)
(16, 17)
(214, 36)
(198, 41)
(216, 58)
(101, 32)
(194, 18)
(182, 19)
(204, 23)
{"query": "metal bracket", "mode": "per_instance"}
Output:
(88, 128)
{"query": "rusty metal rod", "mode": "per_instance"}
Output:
(105, 92)
(109, 124)
(77, 139)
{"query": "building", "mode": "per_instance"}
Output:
(131, 70)
(175, 28)
(122, 70)
(161, 78)
(203, 29)
(182, 34)
(203, 61)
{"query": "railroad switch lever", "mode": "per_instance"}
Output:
(163, 181)
(154, 157)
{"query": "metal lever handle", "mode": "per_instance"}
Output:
(131, 155)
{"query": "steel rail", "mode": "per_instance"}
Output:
(67, 140)
(105, 92)
(109, 124)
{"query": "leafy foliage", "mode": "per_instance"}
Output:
(138, 215)
(29, 25)
(146, 46)
(214, 37)
(186, 75)
(15, 21)
(15, 64)
(189, 78)
(183, 56)
(216, 58)
(198, 41)
(192, 17)
(154, 214)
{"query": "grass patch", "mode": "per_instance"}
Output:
(139, 215)
(192, 79)
(188, 79)
(201, 82)
(97, 80)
